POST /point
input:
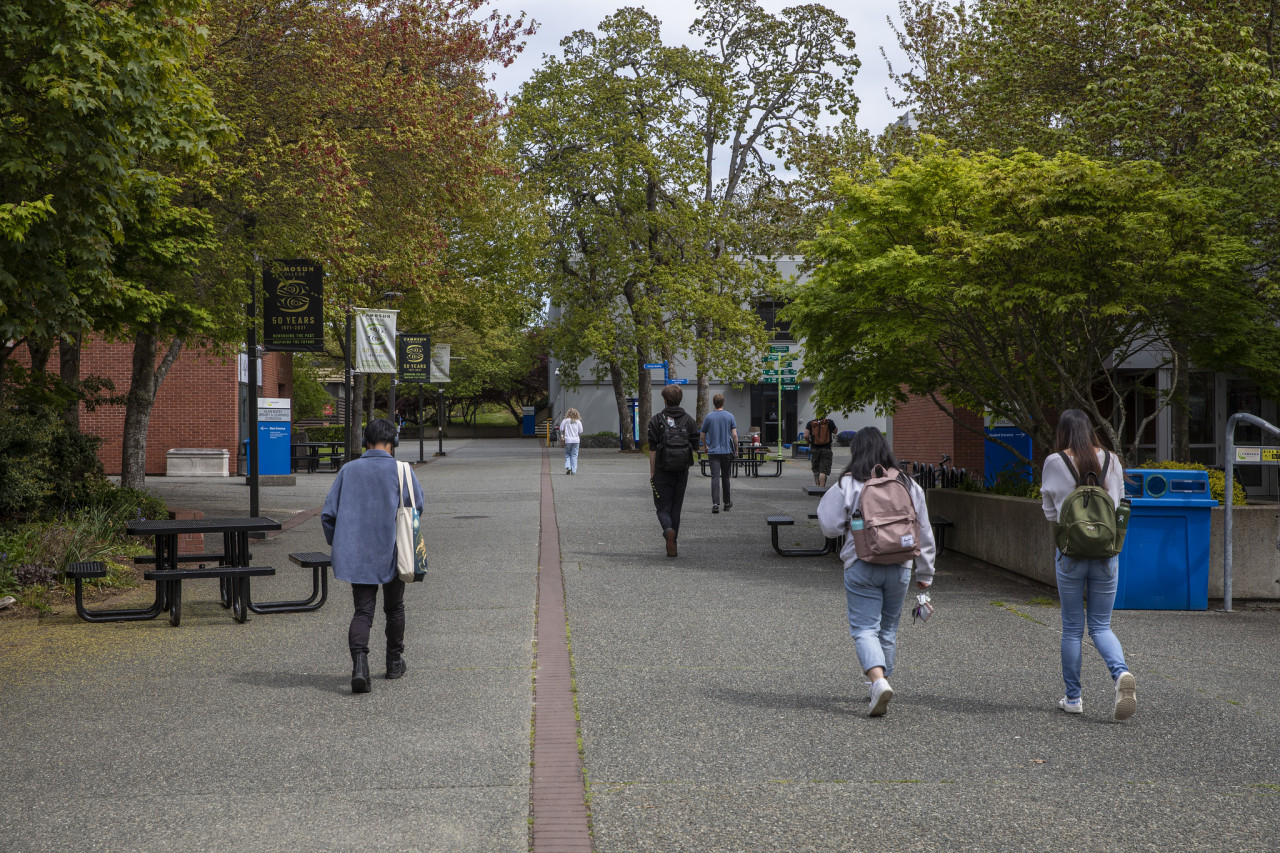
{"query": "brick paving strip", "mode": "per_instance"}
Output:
(557, 792)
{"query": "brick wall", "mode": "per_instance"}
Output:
(922, 433)
(198, 404)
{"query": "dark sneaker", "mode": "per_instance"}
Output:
(728, 505)
(396, 668)
(670, 536)
(715, 508)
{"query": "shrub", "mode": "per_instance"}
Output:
(334, 432)
(45, 465)
(1217, 480)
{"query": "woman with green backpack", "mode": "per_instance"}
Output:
(1078, 481)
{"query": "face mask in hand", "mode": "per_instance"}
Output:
(923, 609)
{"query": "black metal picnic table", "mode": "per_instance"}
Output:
(232, 570)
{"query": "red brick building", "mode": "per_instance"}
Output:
(200, 402)
(922, 433)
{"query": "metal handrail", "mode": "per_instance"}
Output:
(1230, 490)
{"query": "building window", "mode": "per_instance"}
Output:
(768, 311)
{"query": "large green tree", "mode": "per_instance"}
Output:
(1191, 84)
(609, 135)
(90, 91)
(1016, 285)
(773, 79)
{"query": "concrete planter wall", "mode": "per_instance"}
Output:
(197, 462)
(1012, 533)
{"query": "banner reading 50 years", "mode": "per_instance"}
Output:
(293, 319)
(375, 340)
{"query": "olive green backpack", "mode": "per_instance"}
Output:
(1090, 525)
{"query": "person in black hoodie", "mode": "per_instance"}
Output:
(672, 437)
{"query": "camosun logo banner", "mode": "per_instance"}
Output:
(294, 305)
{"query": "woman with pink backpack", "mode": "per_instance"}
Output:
(882, 516)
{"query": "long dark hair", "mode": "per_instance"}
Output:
(867, 450)
(1076, 434)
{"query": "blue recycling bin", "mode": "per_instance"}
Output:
(1165, 561)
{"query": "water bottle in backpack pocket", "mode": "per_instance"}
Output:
(890, 531)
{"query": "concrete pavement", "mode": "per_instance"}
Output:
(720, 700)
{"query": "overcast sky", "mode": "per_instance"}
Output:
(559, 18)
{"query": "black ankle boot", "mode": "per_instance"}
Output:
(360, 682)
(395, 666)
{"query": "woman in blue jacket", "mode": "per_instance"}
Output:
(359, 520)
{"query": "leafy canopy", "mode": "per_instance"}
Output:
(1012, 285)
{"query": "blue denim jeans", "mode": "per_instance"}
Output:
(1096, 579)
(571, 456)
(874, 595)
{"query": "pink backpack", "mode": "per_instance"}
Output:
(889, 531)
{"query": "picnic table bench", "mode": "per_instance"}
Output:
(319, 564)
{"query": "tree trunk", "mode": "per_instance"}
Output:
(40, 353)
(1180, 412)
(645, 394)
(69, 369)
(357, 413)
(704, 394)
(144, 384)
(620, 399)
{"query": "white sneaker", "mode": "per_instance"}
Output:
(1126, 696)
(1076, 707)
(881, 693)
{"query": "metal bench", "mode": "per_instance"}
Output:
(203, 559)
(319, 563)
(776, 521)
(940, 525)
(80, 572)
(234, 579)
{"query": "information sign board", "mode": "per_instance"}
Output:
(1259, 455)
(780, 348)
(790, 387)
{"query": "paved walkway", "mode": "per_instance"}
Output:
(720, 703)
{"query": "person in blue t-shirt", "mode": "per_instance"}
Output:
(719, 435)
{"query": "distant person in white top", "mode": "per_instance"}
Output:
(1078, 578)
(874, 592)
(571, 439)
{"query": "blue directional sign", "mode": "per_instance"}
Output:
(656, 365)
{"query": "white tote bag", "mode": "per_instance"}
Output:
(411, 551)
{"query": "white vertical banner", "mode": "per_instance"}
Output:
(375, 340)
(440, 363)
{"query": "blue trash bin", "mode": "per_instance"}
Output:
(1165, 561)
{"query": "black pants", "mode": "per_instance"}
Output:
(366, 598)
(668, 496)
(721, 471)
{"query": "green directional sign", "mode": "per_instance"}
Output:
(770, 357)
(788, 364)
(780, 348)
(791, 372)
(769, 372)
(768, 380)
(790, 387)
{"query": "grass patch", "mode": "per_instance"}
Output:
(1042, 601)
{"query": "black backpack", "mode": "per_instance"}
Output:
(675, 453)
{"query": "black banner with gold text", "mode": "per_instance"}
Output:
(415, 358)
(293, 315)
